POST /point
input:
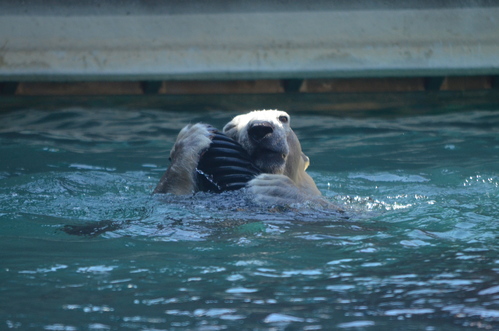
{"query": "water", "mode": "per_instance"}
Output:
(416, 250)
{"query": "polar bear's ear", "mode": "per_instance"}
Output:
(306, 161)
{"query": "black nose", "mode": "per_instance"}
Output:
(257, 131)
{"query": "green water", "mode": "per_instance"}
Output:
(416, 250)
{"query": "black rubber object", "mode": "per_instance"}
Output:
(224, 166)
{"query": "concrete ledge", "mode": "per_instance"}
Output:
(76, 41)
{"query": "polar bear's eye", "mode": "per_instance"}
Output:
(283, 119)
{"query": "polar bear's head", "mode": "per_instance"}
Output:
(271, 143)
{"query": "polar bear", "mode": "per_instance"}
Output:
(270, 145)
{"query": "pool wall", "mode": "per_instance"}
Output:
(263, 47)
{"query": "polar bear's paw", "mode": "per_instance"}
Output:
(275, 189)
(192, 142)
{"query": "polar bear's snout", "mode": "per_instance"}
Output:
(265, 138)
(266, 143)
(259, 130)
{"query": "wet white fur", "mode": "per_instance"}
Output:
(285, 184)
